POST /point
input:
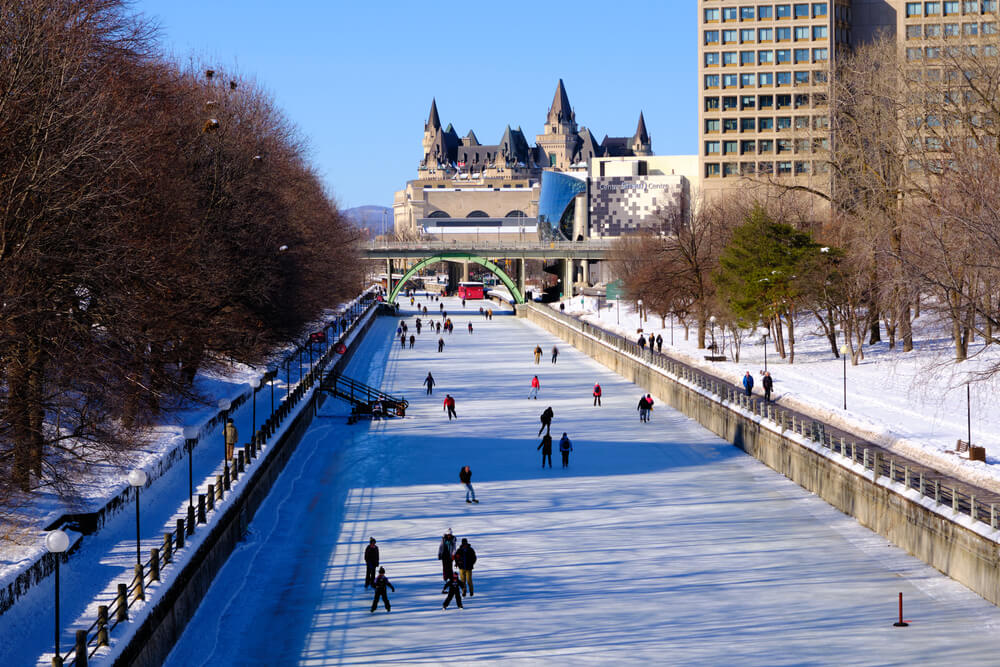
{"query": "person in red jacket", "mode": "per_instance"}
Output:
(535, 386)
(597, 394)
(449, 405)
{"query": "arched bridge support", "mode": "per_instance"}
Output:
(515, 292)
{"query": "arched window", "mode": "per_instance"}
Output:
(515, 214)
(477, 214)
(439, 214)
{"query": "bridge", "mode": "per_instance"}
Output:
(484, 253)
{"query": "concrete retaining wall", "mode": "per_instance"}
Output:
(927, 530)
(164, 625)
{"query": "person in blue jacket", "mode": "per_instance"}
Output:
(748, 383)
(565, 447)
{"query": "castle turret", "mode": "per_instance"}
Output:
(558, 142)
(641, 143)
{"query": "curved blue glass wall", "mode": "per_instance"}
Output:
(558, 191)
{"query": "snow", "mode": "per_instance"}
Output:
(660, 542)
(913, 403)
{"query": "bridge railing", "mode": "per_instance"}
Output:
(485, 243)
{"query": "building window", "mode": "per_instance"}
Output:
(765, 79)
(802, 122)
(729, 81)
(765, 13)
(748, 80)
(712, 147)
(729, 169)
(711, 15)
(766, 34)
(951, 7)
(552, 160)
(970, 29)
(728, 36)
(933, 52)
(820, 55)
(784, 34)
(951, 30)
(784, 168)
(711, 126)
(748, 147)
(819, 9)
(748, 124)
(784, 78)
(766, 124)
(748, 36)
(783, 56)
(711, 81)
(932, 30)
(802, 10)
(767, 145)
(711, 104)
(729, 13)
(746, 57)
(914, 8)
(802, 33)
(747, 101)
(913, 32)
(783, 101)
(729, 125)
(802, 145)
(711, 169)
(746, 13)
(765, 102)
(711, 59)
(914, 53)
(801, 78)
(989, 28)
(820, 32)
(784, 11)
(932, 8)
(711, 36)
(801, 167)
(801, 101)
(729, 102)
(729, 147)
(801, 55)
(819, 77)
(728, 58)
(747, 168)
(784, 123)
(765, 57)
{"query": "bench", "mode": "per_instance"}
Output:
(976, 453)
(715, 357)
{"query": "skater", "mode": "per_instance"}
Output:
(470, 327)
(748, 383)
(465, 558)
(402, 340)
(437, 326)
(418, 325)
(535, 386)
(597, 394)
(449, 405)
(659, 343)
(412, 339)
(371, 562)
(643, 409)
(555, 353)
(649, 406)
(538, 354)
(463, 302)
(425, 311)
(440, 307)
(429, 381)
(453, 587)
(381, 581)
(546, 446)
(232, 437)
(440, 344)
(546, 420)
(446, 554)
(489, 313)
(565, 447)
(465, 476)
(377, 410)
(768, 386)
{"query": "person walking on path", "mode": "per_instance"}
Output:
(546, 446)
(535, 386)
(546, 420)
(453, 587)
(381, 582)
(449, 405)
(371, 562)
(642, 342)
(465, 476)
(232, 437)
(440, 344)
(446, 554)
(465, 559)
(429, 381)
(565, 447)
(597, 394)
(748, 383)
(555, 353)
(538, 354)
(659, 343)
(643, 409)
(768, 386)
(649, 406)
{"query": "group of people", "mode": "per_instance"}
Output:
(766, 382)
(658, 342)
(645, 407)
(565, 447)
(538, 354)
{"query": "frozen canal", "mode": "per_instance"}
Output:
(660, 543)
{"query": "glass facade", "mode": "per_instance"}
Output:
(555, 202)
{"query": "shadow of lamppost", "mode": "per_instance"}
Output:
(190, 437)
(224, 405)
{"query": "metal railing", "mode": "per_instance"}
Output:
(484, 242)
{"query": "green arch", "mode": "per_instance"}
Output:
(445, 256)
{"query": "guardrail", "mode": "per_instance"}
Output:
(109, 616)
(859, 452)
(488, 244)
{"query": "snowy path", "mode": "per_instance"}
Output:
(660, 542)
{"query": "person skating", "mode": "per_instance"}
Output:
(371, 562)
(465, 559)
(546, 419)
(470, 327)
(381, 582)
(748, 383)
(377, 410)
(643, 409)
(555, 353)
(453, 587)
(440, 344)
(412, 339)
(449, 405)
(659, 343)
(402, 340)
(429, 381)
(546, 446)
(465, 476)
(649, 406)
(232, 437)
(565, 447)
(538, 354)
(597, 394)
(535, 386)
(437, 326)
(768, 386)
(418, 325)
(446, 554)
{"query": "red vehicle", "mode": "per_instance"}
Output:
(471, 291)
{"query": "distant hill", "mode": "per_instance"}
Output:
(373, 219)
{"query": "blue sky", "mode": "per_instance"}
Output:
(357, 78)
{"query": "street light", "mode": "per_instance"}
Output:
(272, 370)
(843, 353)
(224, 405)
(764, 332)
(254, 383)
(638, 302)
(190, 435)
(137, 478)
(57, 542)
(712, 322)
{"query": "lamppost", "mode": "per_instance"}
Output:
(254, 384)
(638, 303)
(137, 478)
(968, 414)
(843, 353)
(224, 405)
(671, 329)
(764, 332)
(190, 435)
(711, 321)
(272, 370)
(57, 542)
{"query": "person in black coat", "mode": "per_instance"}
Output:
(659, 343)
(446, 554)
(453, 587)
(546, 420)
(371, 561)
(546, 446)
(465, 558)
(429, 381)
(768, 386)
(381, 581)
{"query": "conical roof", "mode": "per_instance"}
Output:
(433, 121)
(560, 111)
(641, 136)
